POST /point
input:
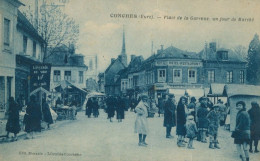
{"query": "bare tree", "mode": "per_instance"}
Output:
(56, 28)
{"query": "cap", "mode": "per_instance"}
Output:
(171, 95)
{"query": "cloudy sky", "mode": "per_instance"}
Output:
(102, 34)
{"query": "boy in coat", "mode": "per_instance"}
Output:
(214, 119)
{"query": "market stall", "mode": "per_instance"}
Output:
(238, 92)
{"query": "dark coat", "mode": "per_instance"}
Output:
(13, 125)
(169, 114)
(191, 107)
(202, 117)
(89, 107)
(33, 117)
(46, 113)
(161, 106)
(181, 120)
(120, 109)
(95, 108)
(254, 114)
(110, 107)
(242, 125)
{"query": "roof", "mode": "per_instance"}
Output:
(111, 64)
(65, 84)
(173, 52)
(24, 24)
(62, 57)
(216, 89)
(211, 55)
(238, 89)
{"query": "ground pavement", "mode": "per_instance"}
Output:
(96, 139)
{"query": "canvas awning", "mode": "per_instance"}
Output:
(239, 89)
(216, 90)
(40, 89)
(66, 84)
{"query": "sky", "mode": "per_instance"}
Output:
(101, 34)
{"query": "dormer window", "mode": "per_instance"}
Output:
(222, 55)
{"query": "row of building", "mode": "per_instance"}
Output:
(172, 70)
(21, 47)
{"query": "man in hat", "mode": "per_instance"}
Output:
(169, 115)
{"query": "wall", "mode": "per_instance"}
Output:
(74, 76)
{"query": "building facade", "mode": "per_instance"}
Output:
(67, 66)
(175, 71)
(8, 22)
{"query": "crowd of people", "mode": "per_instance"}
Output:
(193, 120)
(33, 117)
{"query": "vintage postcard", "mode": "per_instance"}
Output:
(129, 80)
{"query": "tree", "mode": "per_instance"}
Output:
(253, 58)
(241, 51)
(55, 27)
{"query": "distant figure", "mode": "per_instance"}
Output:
(202, 119)
(120, 109)
(141, 123)
(73, 109)
(191, 106)
(89, 107)
(169, 115)
(95, 107)
(46, 112)
(13, 125)
(133, 104)
(241, 134)
(58, 103)
(33, 117)
(191, 130)
(160, 106)
(254, 114)
(110, 107)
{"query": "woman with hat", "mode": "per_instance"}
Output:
(241, 134)
(141, 123)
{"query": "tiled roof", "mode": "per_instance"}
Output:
(173, 52)
(58, 58)
(211, 55)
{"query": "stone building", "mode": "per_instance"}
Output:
(66, 65)
(173, 70)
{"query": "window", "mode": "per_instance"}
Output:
(24, 44)
(162, 75)
(56, 76)
(80, 76)
(229, 76)
(242, 76)
(177, 75)
(67, 75)
(34, 49)
(211, 76)
(223, 55)
(192, 76)
(6, 32)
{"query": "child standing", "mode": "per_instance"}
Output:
(213, 118)
(191, 130)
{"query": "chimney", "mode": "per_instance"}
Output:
(132, 57)
(112, 60)
(213, 46)
(161, 47)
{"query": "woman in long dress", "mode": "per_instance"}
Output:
(13, 125)
(141, 123)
